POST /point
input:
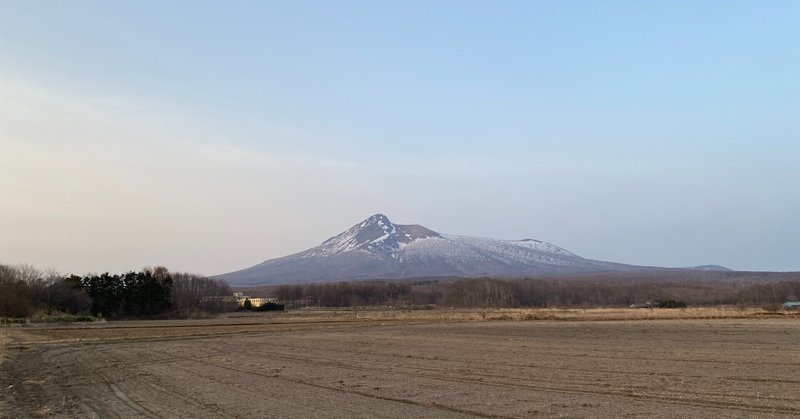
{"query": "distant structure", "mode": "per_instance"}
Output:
(792, 305)
(659, 304)
(255, 302)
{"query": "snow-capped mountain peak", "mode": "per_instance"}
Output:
(375, 234)
(376, 248)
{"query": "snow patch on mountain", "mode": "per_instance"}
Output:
(376, 234)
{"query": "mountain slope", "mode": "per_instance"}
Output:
(378, 249)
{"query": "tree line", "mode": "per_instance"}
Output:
(25, 291)
(158, 292)
(603, 291)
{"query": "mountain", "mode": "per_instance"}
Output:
(378, 249)
(716, 268)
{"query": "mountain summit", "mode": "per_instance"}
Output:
(376, 248)
(376, 234)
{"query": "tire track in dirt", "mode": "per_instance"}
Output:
(435, 370)
(119, 400)
(420, 373)
(198, 370)
(578, 390)
(559, 387)
(629, 389)
(131, 382)
(542, 366)
(452, 409)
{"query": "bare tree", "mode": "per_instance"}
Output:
(14, 293)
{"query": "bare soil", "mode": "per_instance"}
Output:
(379, 364)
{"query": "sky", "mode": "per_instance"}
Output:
(208, 136)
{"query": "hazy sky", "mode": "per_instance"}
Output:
(210, 136)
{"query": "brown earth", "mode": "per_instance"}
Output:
(430, 364)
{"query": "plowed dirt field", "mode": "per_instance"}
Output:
(267, 367)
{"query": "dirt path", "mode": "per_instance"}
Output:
(686, 368)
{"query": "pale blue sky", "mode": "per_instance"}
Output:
(208, 136)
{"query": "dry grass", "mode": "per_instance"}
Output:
(303, 319)
(590, 314)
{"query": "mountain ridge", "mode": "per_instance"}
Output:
(376, 248)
